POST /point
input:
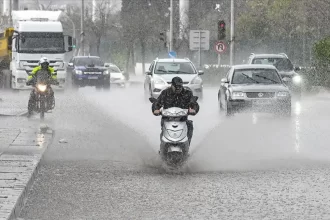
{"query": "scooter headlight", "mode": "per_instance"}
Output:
(174, 134)
(42, 87)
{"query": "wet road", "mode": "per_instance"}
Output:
(250, 166)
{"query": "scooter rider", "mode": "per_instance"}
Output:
(43, 65)
(177, 96)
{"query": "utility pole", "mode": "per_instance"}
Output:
(10, 13)
(82, 42)
(171, 26)
(15, 5)
(232, 33)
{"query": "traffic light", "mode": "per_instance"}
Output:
(162, 36)
(221, 30)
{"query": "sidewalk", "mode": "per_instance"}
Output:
(22, 144)
(13, 103)
(20, 154)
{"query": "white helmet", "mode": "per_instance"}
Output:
(43, 60)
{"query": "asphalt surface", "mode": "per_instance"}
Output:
(250, 166)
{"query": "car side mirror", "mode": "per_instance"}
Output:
(224, 80)
(152, 99)
(148, 73)
(200, 72)
(70, 64)
(297, 68)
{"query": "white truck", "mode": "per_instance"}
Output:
(37, 34)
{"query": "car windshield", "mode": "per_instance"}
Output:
(282, 64)
(255, 76)
(89, 61)
(174, 68)
(114, 69)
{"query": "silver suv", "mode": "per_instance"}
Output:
(161, 72)
(284, 66)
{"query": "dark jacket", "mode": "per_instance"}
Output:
(168, 99)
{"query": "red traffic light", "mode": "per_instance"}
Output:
(222, 25)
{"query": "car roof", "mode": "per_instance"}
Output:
(254, 66)
(86, 57)
(174, 60)
(269, 55)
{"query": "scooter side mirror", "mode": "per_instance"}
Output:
(152, 99)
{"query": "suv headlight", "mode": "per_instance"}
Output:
(78, 72)
(197, 80)
(106, 72)
(238, 94)
(282, 94)
(296, 79)
(159, 82)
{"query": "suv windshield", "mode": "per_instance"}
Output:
(282, 64)
(174, 68)
(255, 76)
(89, 61)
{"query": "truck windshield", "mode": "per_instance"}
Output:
(37, 42)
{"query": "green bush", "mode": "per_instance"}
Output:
(320, 76)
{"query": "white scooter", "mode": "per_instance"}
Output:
(174, 145)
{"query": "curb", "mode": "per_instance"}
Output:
(20, 202)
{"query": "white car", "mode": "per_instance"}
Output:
(161, 72)
(116, 75)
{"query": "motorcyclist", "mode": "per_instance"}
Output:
(43, 65)
(177, 96)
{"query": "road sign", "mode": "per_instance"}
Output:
(220, 47)
(172, 54)
(199, 40)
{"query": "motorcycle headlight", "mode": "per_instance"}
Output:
(296, 79)
(196, 80)
(174, 134)
(159, 82)
(238, 94)
(282, 94)
(42, 87)
(78, 72)
(106, 72)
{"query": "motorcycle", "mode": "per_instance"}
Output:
(174, 143)
(41, 84)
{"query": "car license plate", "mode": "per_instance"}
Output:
(93, 77)
(261, 102)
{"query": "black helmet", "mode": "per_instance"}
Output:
(177, 83)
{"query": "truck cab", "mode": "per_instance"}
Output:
(35, 38)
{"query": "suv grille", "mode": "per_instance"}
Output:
(264, 94)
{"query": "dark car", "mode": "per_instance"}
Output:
(284, 67)
(89, 71)
(257, 87)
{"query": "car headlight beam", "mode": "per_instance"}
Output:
(296, 79)
(196, 80)
(159, 82)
